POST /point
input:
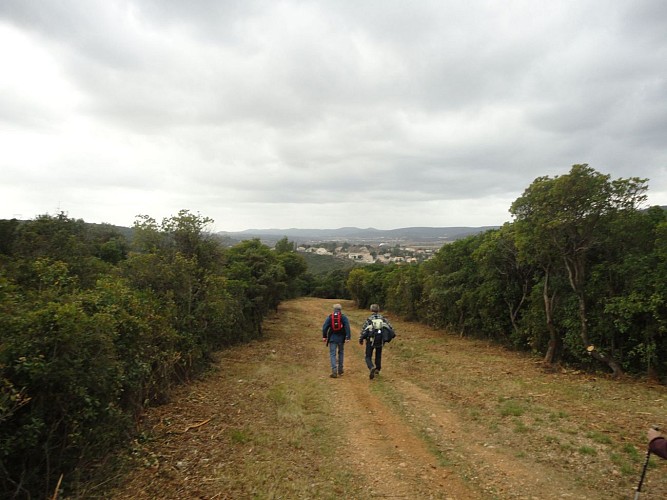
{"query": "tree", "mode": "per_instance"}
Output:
(7, 235)
(264, 280)
(631, 279)
(404, 288)
(535, 249)
(450, 293)
(498, 258)
(295, 267)
(567, 213)
(283, 245)
(356, 285)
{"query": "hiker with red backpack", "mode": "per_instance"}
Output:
(335, 332)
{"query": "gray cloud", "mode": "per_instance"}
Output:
(263, 113)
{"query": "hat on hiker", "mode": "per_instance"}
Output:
(375, 308)
(337, 307)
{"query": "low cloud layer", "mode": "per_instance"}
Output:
(323, 114)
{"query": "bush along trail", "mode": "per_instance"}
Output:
(447, 418)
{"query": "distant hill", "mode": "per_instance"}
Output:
(434, 235)
(355, 234)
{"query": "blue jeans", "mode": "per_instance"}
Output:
(333, 347)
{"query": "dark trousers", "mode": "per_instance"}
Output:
(369, 356)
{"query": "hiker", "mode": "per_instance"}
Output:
(335, 332)
(656, 442)
(376, 331)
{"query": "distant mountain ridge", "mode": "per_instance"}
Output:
(365, 234)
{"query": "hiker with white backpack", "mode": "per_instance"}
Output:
(376, 331)
(335, 332)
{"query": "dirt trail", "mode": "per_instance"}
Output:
(448, 418)
(398, 463)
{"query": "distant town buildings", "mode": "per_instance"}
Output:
(369, 254)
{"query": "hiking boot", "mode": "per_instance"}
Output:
(372, 375)
(333, 373)
(340, 372)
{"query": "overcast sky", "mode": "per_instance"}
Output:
(323, 114)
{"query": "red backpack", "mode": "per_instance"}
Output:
(336, 321)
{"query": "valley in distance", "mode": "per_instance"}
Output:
(407, 236)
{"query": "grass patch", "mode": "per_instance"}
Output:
(598, 437)
(278, 394)
(475, 414)
(555, 416)
(318, 430)
(239, 436)
(625, 467)
(566, 447)
(511, 408)
(587, 450)
(632, 452)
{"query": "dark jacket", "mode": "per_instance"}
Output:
(367, 332)
(336, 337)
(658, 446)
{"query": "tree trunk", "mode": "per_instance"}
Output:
(554, 342)
(575, 269)
(614, 365)
(514, 310)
